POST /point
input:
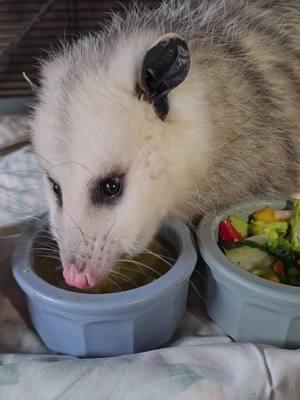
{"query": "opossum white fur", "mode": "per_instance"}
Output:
(232, 130)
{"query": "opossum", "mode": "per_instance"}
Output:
(166, 112)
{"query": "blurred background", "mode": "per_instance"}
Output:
(28, 28)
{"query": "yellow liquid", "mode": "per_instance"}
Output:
(133, 273)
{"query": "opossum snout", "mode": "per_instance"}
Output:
(86, 265)
(79, 276)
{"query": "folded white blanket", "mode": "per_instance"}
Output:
(200, 363)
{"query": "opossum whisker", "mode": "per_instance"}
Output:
(17, 205)
(22, 172)
(42, 256)
(44, 264)
(114, 283)
(45, 247)
(50, 233)
(44, 242)
(197, 291)
(84, 234)
(186, 222)
(138, 263)
(17, 202)
(33, 189)
(55, 235)
(137, 270)
(123, 276)
(50, 257)
(71, 162)
(21, 251)
(200, 276)
(160, 257)
(107, 237)
(26, 219)
(40, 156)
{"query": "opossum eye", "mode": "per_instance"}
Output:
(165, 66)
(56, 190)
(111, 187)
(107, 190)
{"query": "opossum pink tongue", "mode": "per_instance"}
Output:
(80, 280)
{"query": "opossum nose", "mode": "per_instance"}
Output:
(80, 279)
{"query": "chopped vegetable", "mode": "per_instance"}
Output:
(278, 268)
(228, 233)
(283, 215)
(245, 242)
(239, 224)
(265, 215)
(295, 226)
(261, 239)
(268, 246)
(250, 258)
(268, 215)
(281, 248)
(272, 229)
(275, 233)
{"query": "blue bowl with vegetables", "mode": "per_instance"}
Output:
(251, 269)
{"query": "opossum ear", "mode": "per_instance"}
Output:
(165, 66)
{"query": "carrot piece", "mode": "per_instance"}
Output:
(278, 267)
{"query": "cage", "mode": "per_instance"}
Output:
(28, 28)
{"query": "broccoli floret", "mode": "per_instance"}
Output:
(276, 242)
(295, 226)
(272, 230)
(281, 248)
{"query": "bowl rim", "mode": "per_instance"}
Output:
(221, 265)
(36, 287)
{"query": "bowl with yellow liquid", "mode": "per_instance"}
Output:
(137, 307)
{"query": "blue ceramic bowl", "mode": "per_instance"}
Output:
(246, 306)
(108, 324)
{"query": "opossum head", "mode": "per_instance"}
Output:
(113, 131)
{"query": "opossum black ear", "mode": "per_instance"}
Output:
(165, 66)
